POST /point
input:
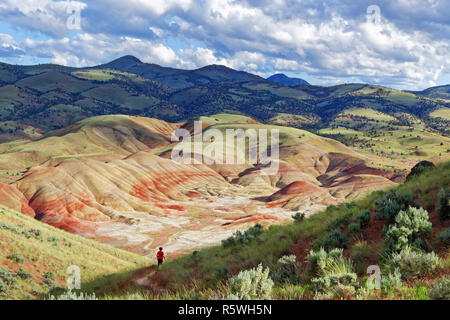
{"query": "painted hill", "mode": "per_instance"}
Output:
(111, 178)
(282, 79)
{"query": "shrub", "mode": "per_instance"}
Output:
(298, 217)
(243, 237)
(419, 169)
(32, 233)
(54, 240)
(440, 290)
(7, 276)
(334, 239)
(340, 221)
(360, 251)
(291, 292)
(444, 236)
(221, 272)
(443, 207)
(21, 273)
(286, 270)
(409, 226)
(414, 263)
(48, 278)
(363, 218)
(16, 257)
(69, 295)
(3, 286)
(354, 228)
(397, 238)
(392, 203)
(318, 260)
(332, 274)
(415, 219)
(253, 284)
(391, 282)
(332, 284)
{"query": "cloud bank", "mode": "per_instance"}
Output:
(403, 44)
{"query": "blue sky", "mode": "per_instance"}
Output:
(402, 44)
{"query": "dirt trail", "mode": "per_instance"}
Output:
(149, 278)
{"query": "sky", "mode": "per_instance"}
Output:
(403, 44)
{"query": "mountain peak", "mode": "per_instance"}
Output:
(122, 62)
(129, 58)
(283, 79)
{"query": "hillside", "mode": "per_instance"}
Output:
(286, 81)
(34, 258)
(206, 272)
(110, 178)
(37, 99)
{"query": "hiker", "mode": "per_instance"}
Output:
(160, 256)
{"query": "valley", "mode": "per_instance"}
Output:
(85, 153)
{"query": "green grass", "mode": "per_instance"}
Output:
(443, 113)
(368, 113)
(45, 249)
(276, 241)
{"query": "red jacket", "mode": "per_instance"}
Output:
(160, 255)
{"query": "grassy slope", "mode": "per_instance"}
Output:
(443, 113)
(53, 252)
(377, 133)
(280, 240)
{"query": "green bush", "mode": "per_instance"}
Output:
(298, 217)
(243, 237)
(21, 273)
(32, 233)
(48, 278)
(354, 228)
(391, 282)
(340, 222)
(443, 207)
(3, 286)
(440, 290)
(290, 292)
(318, 260)
(409, 226)
(221, 272)
(392, 203)
(54, 240)
(253, 284)
(286, 270)
(415, 219)
(7, 276)
(16, 257)
(444, 236)
(363, 218)
(333, 274)
(334, 239)
(360, 251)
(413, 263)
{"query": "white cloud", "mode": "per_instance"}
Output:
(331, 43)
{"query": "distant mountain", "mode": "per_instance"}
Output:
(36, 99)
(442, 92)
(177, 78)
(282, 79)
